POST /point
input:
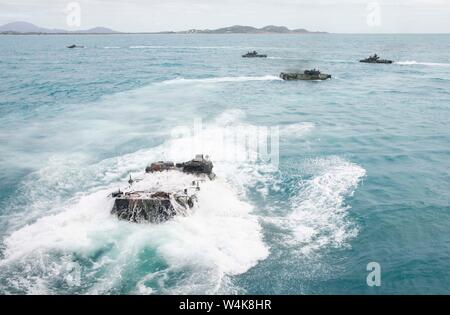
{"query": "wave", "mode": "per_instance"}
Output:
(431, 64)
(230, 117)
(319, 212)
(318, 216)
(297, 130)
(222, 79)
(111, 47)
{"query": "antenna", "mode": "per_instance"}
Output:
(130, 181)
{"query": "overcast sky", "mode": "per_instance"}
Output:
(343, 16)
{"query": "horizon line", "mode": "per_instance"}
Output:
(12, 33)
(201, 31)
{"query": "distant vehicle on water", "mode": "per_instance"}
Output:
(253, 54)
(305, 75)
(375, 59)
(75, 46)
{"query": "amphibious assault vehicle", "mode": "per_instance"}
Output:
(253, 54)
(305, 75)
(165, 190)
(375, 59)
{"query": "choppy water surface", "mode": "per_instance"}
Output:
(363, 176)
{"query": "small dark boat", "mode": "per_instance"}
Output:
(253, 54)
(74, 46)
(310, 75)
(375, 59)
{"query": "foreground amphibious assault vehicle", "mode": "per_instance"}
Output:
(166, 190)
(305, 75)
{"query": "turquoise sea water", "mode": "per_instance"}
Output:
(364, 171)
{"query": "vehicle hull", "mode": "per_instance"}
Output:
(303, 76)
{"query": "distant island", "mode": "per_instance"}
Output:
(239, 29)
(25, 28)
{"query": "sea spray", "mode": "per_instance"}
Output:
(318, 217)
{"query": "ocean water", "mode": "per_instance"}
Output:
(363, 173)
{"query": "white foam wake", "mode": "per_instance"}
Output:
(222, 79)
(431, 64)
(190, 47)
(318, 217)
(146, 47)
(196, 254)
(319, 210)
(220, 238)
(285, 58)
